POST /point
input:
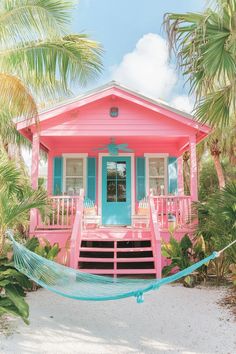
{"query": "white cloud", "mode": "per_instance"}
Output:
(183, 103)
(146, 68)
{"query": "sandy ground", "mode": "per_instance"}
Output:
(172, 320)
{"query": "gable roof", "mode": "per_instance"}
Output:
(115, 88)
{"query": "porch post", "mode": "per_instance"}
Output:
(34, 177)
(50, 168)
(180, 175)
(193, 168)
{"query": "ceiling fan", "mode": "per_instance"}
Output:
(114, 148)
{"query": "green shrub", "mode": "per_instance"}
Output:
(183, 254)
(217, 224)
(13, 286)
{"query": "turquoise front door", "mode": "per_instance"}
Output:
(116, 190)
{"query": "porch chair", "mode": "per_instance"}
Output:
(91, 217)
(142, 216)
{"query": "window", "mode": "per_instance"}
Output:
(74, 175)
(116, 181)
(157, 174)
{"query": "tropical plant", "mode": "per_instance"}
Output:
(183, 254)
(208, 181)
(196, 38)
(217, 224)
(44, 249)
(13, 286)
(16, 198)
(39, 58)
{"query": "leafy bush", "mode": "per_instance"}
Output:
(45, 250)
(183, 254)
(13, 286)
(217, 224)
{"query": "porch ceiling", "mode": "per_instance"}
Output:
(139, 144)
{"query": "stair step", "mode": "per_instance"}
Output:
(118, 260)
(119, 249)
(99, 238)
(118, 271)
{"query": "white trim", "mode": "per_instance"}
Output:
(75, 156)
(100, 156)
(154, 155)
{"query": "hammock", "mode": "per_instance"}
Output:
(77, 285)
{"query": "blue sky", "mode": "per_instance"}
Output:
(120, 24)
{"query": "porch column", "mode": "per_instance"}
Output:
(34, 177)
(180, 175)
(50, 172)
(193, 168)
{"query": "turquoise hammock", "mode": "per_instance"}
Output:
(77, 285)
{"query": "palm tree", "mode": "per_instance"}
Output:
(206, 52)
(39, 60)
(16, 197)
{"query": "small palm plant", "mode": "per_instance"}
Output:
(16, 198)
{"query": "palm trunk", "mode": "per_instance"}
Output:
(2, 242)
(215, 153)
(219, 170)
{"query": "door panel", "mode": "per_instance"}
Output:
(116, 190)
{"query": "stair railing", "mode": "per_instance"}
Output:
(155, 232)
(77, 229)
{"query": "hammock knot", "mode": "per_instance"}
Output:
(139, 297)
(216, 254)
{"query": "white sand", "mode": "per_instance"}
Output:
(172, 320)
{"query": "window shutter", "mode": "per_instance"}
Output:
(57, 175)
(91, 178)
(172, 176)
(140, 178)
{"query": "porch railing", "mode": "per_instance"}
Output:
(173, 210)
(76, 235)
(62, 213)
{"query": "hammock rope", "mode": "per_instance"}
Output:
(75, 284)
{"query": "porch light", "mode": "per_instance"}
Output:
(114, 112)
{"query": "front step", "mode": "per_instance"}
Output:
(117, 251)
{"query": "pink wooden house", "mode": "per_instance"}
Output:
(115, 178)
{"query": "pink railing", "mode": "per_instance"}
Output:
(62, 213)
(156, 238)
(77, 232)
(173, 210)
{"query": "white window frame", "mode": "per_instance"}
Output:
(156, 155)
(75, 156)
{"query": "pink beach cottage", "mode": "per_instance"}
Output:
(115, 178)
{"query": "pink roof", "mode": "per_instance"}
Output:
(157, 110)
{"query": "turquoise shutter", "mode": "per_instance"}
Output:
(172, 176)
(91, 178)
(140, 178)
(57, 175)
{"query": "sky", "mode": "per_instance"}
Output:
(135, 48)
(134, 43)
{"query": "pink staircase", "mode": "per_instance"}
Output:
(117, 251)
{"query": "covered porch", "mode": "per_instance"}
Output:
(116, 186)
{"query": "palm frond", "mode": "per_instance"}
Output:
(27, 20)
(72, 58)
(214, 105)
(15, 98)
(206, 51)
